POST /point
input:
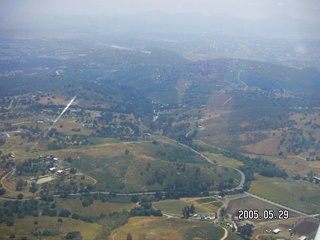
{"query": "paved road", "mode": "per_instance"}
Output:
(239, 187)
(243, 177)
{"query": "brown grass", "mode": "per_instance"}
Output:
(306, 228)
(69, 124)
(219, 158)
(174, 207)
(56, 101)
(265, 147)
(98, 207)
(23, 228)
(147, 228)
(150, 228)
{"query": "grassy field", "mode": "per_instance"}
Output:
(300, 195)
(306, 228)
(297, 194)
(229, 162)
(17, 145)
(300, 227)
(129, 166)
(202, 205)
(97, 208)
(169, 228)
(25, 226)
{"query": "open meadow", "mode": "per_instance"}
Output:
(220, 159)
(299, 227)
(29, 227)
(144, 166)
(169, 228)
(174, 208)
(297, 194)
(96, 208)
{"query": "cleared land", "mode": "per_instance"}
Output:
(143, 166)
(172, 228)
(301, 195)
(25, 226)
(299, 227)
(202, 205)
(218, 158)
(97, 208)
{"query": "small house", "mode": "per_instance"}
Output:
(276, 231)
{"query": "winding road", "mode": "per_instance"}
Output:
(243, 177)
(239, 187)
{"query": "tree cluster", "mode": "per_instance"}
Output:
(188, 210)
(250, 165)
(9, 210)
(145, 209)
(246, 230)
(191, 188)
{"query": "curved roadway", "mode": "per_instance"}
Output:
(243, 177)
(239, 187)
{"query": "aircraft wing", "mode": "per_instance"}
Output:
(317, 234)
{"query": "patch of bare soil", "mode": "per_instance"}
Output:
(268, 146)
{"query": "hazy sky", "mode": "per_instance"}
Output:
(250, 9)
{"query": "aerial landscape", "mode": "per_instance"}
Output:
(160, 120)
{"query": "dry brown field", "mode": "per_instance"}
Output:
(150, 228)
(97, 208)
(265, 147)
(299, 227)
(306, 228)
(24, 227)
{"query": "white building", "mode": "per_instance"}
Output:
(276, 231)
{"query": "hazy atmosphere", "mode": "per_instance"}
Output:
(158, 119)
(249, 9)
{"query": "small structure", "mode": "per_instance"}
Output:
(303, 238)
(316, 178)
(4, 135)
(62, 173)
(205, 216)
(276, 231)
(49, 158)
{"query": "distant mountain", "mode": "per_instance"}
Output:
(157, 21)
(277, 25)
(204, 76)
(284, 24)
